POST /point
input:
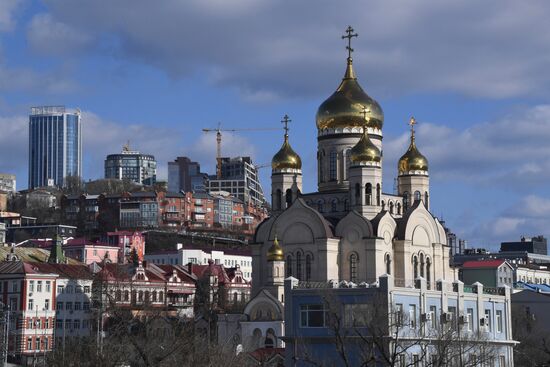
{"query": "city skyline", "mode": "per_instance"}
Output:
(482, 93)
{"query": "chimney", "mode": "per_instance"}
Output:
(179, 246)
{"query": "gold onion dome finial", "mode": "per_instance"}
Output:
(286, 157)
(365, 150)
(275, 252)
(343, 107)
(412, 160)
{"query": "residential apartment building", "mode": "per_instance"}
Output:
(423, 324)
(131, 165)
(55, 146)
(239, 177)
(490, 272)
(185, 175)
(229, 258)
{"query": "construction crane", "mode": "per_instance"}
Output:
(218, 131)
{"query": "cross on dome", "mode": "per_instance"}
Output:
(285, 121)
(349, 36)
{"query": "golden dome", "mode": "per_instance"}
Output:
(365, 150)
(412, 160)
(345, 107)
(286, 157)
(275, 252)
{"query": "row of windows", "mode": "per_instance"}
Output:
(296, 269)
(140, 296)
(39, 286)
(77, 289)
(73, 324)
(77, 306)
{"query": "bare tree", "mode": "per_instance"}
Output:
(534, 338)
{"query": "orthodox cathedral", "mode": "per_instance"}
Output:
(350, 229)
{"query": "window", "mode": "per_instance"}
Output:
(76, 324)
(30, 306)
(48, 288)
(417, 196)
(452, 311)
(86, 289)
(69, 306)
(426, 199)
(78, 289)
(47, 304)
(77, 306)
(86, 306)
(368, 194)
(69, 289)
(39, 286)
(488, 319)
(353, 259)
(433, 313)
(288, 266)
(334, 205)
(357, 315)
(59, 305)
(46, 343)
(58, 323)
(470, 318)
(498, 321)
(399, 314)
(308, 267)
(29, 343)
(299, 265)
(312, 315)
(378, 194)
(288, 197)
(47, 324)
(405, 201)
(68, 324)
(416, 360)
(391, 207)
(59, 289)
(415, 267)
(412, 316)
(501, 361)
(332, 165)
(31, 285)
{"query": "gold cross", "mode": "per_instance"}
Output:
(412, 122)
(349, 36)
(364, 112)
(285, 121)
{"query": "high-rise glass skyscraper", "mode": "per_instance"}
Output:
(55, 145)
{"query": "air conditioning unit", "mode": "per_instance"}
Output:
(463, 319)
(426, 317)
(484, 321)
(446, 317)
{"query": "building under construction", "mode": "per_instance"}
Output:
(239, 177)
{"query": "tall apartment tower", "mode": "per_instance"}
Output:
(55, 145)
(131, 165)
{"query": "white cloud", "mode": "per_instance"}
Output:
(7, 10)
(507, 151)
(47, 36)
(494, 49)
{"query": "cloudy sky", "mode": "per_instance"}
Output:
(474, 74)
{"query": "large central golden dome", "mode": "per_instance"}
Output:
(346, 107)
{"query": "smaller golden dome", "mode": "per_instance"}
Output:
(365, 150)
(275, 252)
(286, 158)
(412, 160)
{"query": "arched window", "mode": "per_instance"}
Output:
(422, 265)
(308, 267)
(428, 271)
(278, 200)
(405, 201)
(321, 160)
(399, 208)
(347, 162)
(378, 194)
(391, 207)
(235, 297)
(332, 165)
(368, 194)
(383, 205)
(288, 197)
(353, 259)
(417, 196)
(147, 299)
(154, 296)
(288, 266)
(126, 296)
(427, 199)
(415, 267)
(388, 264)
(334, 205)
(357, 194)
(299, 265)
(140, 296)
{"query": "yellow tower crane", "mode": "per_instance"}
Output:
(218, 132)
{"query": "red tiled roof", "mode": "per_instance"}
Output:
(478, 264)
(266, 354)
